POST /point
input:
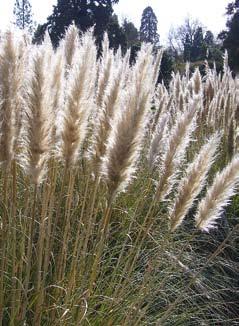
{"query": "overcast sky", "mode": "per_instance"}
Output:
(168, 12)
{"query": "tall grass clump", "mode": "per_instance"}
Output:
(118, 195)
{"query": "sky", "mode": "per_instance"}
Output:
(169, 12)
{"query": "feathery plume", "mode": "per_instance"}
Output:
(70, 45)
(159, 111)
(192, 183)
(38, 117)
(11, 71)
(227, 112)
(209, 91)
(177, 143)
(156, 64)
(197, 82)
(181, 104)
(125, 139)
(57, 89)
(105, 70)
(177, 86)
(158, 141)
(79, 101)
(106, 113)
(218, 196)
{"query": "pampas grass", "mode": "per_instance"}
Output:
(98, 166)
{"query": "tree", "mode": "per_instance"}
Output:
(23, 15)
(209, 39)
(167, 67)
(189, 42)
(230, 37)
(131, 33)
(211, 48)
(132, 39)
(187, 50)
(232, 7)
(148, 28)
(184, 34)
(116, 34)
(198, 49)
(84, 13)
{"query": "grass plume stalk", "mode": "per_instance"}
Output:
(38, 141)
(124, 142)
(11, 71)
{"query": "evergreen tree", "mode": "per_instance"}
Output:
(116, 34)
(23, 15)
(84, 13)
(132, 39)
(230, 37)
(187, 48)
(209, 39)
(131, 33)
(209, 45)
(167, 67)
(197, 51)
(148, 28)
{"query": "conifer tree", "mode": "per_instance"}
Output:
(131, 33)
(23, 15)
(197, 51)
(148, 28)
(187, 48)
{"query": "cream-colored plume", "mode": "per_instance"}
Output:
(218, 196)
(125, 139)
(158, 141)
(193, 182)
(11, 79)
(177, 143)
(79, 100)
(39, 118)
